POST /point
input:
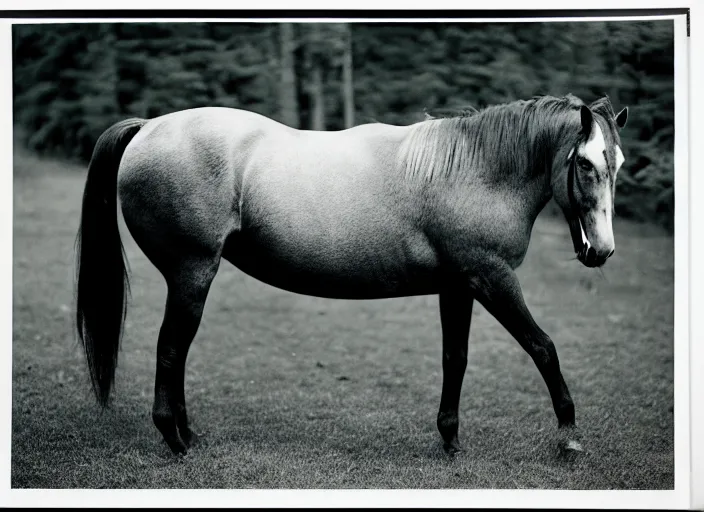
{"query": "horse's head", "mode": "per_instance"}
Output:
(586, 179)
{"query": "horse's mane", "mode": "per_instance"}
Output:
(495, 140)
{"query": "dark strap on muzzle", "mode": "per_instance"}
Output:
(574, 206)
(570, 183)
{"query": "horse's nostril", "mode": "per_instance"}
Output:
(611, 253)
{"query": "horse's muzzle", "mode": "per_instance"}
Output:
(589, 255)
(591, 258)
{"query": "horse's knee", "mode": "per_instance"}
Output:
(167, 357)
(544, 353)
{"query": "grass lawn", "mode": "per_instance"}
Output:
(290, 391)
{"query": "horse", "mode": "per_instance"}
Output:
(444, 206)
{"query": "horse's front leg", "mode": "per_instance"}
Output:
(455, 315)
(497, 288)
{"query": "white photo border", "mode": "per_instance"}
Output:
(679, 498)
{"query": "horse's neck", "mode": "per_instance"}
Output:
(534, 185)
(542, 194)
(528, 178)
(532, 190)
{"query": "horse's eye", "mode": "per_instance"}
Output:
(585, 164)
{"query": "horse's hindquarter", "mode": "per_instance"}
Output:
(179, 179)
(323, 213)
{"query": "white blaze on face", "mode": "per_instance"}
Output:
(619, 158)
(599, 228)
(602, 218)
(594, 148)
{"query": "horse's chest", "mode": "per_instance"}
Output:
(488, 226)
(507, 238)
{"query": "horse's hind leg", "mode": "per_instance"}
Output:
(188, 283)
(456, 304)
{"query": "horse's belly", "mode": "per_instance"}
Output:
(310, 266)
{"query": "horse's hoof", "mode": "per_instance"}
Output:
(179, 454)
(452, 449)
(178, 448)
(190, 438)
(570, 449)
(574, 446)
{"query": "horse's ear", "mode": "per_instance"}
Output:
(622, 117)
(586, 116)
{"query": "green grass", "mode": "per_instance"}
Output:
(291, 391)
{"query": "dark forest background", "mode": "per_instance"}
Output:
(72, 81)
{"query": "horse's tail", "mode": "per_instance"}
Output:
(101, 275)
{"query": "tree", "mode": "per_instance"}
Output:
(71, 81)
(288, 93)
(347, 79)
(315, 61)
